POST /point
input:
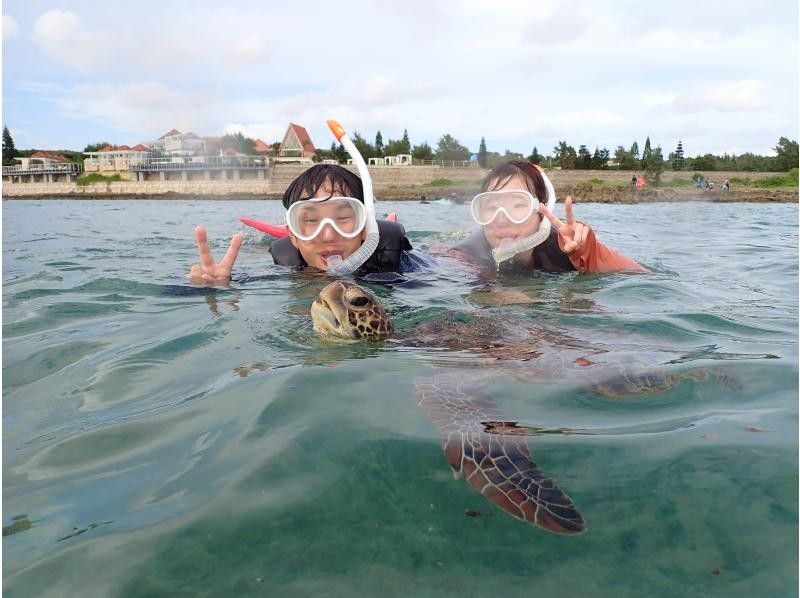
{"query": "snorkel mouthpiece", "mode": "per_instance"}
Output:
(509, 248)
(340, 267)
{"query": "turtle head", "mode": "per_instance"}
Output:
(346, 310)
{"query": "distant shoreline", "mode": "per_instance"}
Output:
(415, 182)
(648, 196)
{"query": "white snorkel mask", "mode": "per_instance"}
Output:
(335, 264)
(509, 248)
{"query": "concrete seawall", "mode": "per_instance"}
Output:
(387, 181)
(412, 182)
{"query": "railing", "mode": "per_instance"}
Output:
(208, 163)
(455, 163)
(18, 169)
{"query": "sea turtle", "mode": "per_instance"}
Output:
(345, 310)
(497, 465)
(479, 443)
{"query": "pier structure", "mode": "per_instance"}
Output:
(42, 167)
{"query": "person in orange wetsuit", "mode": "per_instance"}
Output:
(519, 232)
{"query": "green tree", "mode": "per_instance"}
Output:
(750, 162)
(647, 153)
(239, 143)
(449, 148)
(584, 158)
(341, 154)
(395, 147)
(365, 149)
(379, 144)
(654, 166)
(677, 157)
(422, 152)
(564, 155)
(535, 157)
(600, 159)
(337, 152)
(786, 149)
(482, 153)
(634, 152)
(9, 151)
(93, 147)
(72, 156)
(624, 159)
(406, 143)
(706, 162)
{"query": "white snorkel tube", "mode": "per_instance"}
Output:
(509, 249)
(362, 254)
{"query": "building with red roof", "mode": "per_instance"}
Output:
(296, 145)
(261, 148)
(42, 167)
(45, 156)
(116, 158)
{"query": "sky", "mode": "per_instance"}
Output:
(721, 76)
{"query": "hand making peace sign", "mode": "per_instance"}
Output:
(574, 233)
(209, 271)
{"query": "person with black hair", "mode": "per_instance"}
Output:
(326, 220)
(519, 232)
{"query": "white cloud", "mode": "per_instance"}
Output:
(61, 36)
(142, 110)
(518, 73)
(247, 51)
(10, 27)
(725, 96)
(178, 53)
(566, 24)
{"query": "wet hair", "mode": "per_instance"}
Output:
(307, 184)
(501, 174)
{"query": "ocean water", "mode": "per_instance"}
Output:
(161, 439)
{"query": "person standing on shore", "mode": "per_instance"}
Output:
(518, 233)
(326, 219)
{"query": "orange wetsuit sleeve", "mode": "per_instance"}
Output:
(596, 257)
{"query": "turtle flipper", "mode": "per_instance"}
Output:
(500, 467)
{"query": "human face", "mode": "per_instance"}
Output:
(328, 242)
(502, 228)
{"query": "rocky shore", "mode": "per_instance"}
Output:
(626, 195)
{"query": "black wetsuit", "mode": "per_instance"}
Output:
(546, 256)
(391, 255)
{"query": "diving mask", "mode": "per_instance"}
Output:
(308, 217)
(516, 205)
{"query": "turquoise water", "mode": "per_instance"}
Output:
(164, 441)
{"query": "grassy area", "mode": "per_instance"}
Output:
(770, 182)
(441, 183)
(676, 182)
(96, 177)
(787, 180)
(672, 183)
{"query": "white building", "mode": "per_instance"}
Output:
(175, 143)
(117, 159)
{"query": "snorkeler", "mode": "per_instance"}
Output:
(514, 236)
(330, 215)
